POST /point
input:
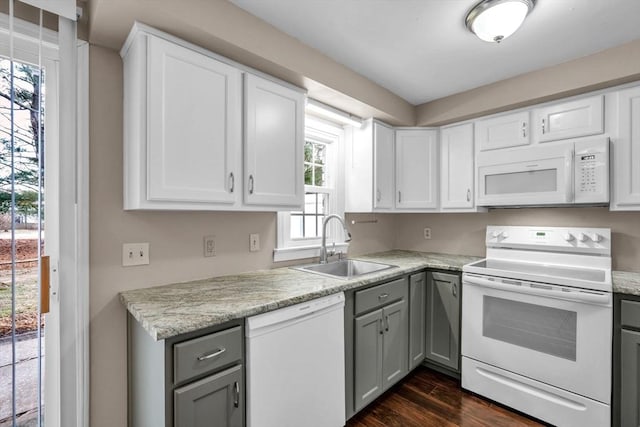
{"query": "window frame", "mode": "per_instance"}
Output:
(287, 248)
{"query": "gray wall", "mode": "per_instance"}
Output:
(464, 233)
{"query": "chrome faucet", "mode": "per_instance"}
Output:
(323, 248)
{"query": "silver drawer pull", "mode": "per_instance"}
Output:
(212, 355)
(383, 296)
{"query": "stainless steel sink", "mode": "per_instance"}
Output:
(346, 268)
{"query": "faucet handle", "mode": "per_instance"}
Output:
(333, 249)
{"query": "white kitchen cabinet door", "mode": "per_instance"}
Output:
(383, 183)
(510, 130)
(571, 119)
(457, 167)
(194, 125)
(626, 152)
(274, 141)
(417, 169)
(182, 128)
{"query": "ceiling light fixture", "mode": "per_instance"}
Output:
(495, 20)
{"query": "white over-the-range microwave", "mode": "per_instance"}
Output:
(567, 173)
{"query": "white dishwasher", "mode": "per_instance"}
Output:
(295, 365)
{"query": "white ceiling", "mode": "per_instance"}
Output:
(421, 50)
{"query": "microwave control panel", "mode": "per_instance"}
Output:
(591, 180)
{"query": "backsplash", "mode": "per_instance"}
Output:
(464, 233)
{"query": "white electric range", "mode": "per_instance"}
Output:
(537, 323)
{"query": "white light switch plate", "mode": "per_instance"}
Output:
(135, 254)
(209, 246)
(254, 242)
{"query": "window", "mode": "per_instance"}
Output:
(300, 232)
(307, 224)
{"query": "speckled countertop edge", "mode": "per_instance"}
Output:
(626, 282)
(170, 310)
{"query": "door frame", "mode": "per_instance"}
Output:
(67, 399)
(73, 267)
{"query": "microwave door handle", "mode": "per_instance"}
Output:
(591, 297)
(568, 179)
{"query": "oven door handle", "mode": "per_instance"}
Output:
(591, 297)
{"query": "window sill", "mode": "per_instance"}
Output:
(303, 252)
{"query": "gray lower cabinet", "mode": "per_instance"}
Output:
(417, 316)
(443, 320)
(193, 380)
(368, 358)
(380, 340)
(630, 384)
(212, 401)
(626, 361)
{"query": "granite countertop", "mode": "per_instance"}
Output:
(171, 310)
(625, 282)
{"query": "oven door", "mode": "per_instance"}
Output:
(526, 176)
(556, 335)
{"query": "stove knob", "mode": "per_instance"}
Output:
(505, 234)
(582, 237)
(596, 237)
(496, 234)
(568, 237)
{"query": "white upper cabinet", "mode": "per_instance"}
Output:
(193, 115)
(509, 130)
(369, 176)
(626, 152)
(571, 119)
(274, 142)
(383, 155)
(417, 169)
(183, 122)
(457, 168)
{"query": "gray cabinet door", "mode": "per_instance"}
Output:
(368, 358)
(443, 319)
(417, 315)
(395, 345)
(213, 401)
(630, 383)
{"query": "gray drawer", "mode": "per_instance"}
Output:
(630, 311)
(378, 296)
(201, 355)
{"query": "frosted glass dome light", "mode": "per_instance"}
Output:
(495, 20)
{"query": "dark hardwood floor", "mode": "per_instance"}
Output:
(428, 398)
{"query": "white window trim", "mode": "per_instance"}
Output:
(288, 249)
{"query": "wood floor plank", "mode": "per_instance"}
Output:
(428, 398)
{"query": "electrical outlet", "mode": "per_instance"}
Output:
(209, 246)
(427, 233)
(254, 242)
(135, 254)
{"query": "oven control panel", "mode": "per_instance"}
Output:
(562, 239)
